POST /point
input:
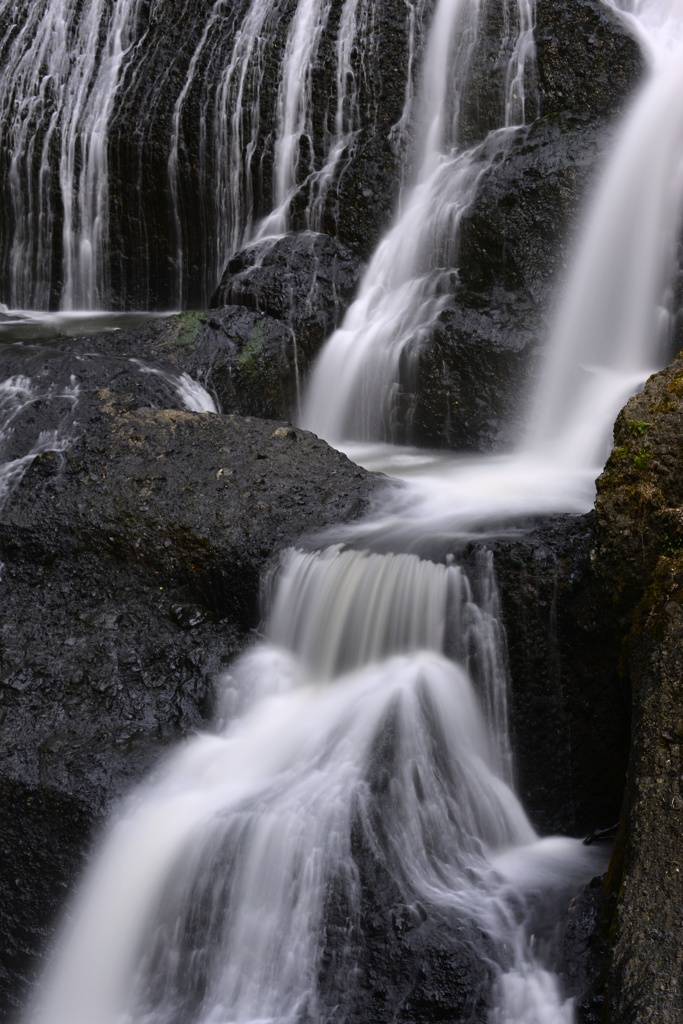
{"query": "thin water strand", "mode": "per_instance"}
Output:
(17, 394)
(61, 74)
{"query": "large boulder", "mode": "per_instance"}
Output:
(132, 551)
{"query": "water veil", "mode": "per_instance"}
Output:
(369, 727)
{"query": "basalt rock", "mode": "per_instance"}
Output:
(131, 567)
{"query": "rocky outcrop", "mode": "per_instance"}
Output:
(640, 538)
(284, 298)
(131, 570)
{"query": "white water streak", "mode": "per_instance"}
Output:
(192, 394)
(17, 394)
(57, 89)
(295, 107)
(612, 327)
(403, 290)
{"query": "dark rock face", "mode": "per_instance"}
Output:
(131, 569)
(290, 294)
(640, 536)
(584, 949)
(43, 840)
(587, 64)
(569, 710)
(306, 279)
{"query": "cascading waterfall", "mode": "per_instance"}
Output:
(611, 329)
(227, 862)
(403, 291)
(613, 325)
(374, 713)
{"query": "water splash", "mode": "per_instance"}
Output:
(192, 394)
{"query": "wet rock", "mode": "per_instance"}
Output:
(640, 538)
(585, 945)
(305, 279)
(468, 377)
(35, 879)
(587, 61)
(277, 303)
(570, 714)
(131, 566)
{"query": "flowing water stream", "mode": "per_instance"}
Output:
(372, 719)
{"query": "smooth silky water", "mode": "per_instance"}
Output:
(376, 704)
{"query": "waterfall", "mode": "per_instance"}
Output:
(613, 323)
(227, 862)
(610, 330)
(79, 79)
(246, 150)
(371, 718)
(62, 68)
(409, 279)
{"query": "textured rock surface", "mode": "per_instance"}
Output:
(131, 574)
(640, 533)
(570, 715)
